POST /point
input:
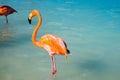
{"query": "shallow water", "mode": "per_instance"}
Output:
(91, 29)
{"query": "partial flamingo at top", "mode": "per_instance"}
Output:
(6, 10)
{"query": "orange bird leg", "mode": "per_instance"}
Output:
(6, 19)
(53, 65)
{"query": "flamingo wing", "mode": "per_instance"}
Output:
(53, 44)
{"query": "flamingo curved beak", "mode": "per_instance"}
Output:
(29, 20)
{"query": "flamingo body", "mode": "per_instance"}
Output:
(6, 10)
(52, 43)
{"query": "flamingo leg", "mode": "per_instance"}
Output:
(53, 65)
(6, 19)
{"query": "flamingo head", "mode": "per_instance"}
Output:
(32, 14)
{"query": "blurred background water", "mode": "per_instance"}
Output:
(91, 29)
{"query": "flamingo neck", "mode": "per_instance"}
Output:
(34, 35)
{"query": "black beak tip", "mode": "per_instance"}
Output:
(29, 21)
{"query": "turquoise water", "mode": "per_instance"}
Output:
(91, 29)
